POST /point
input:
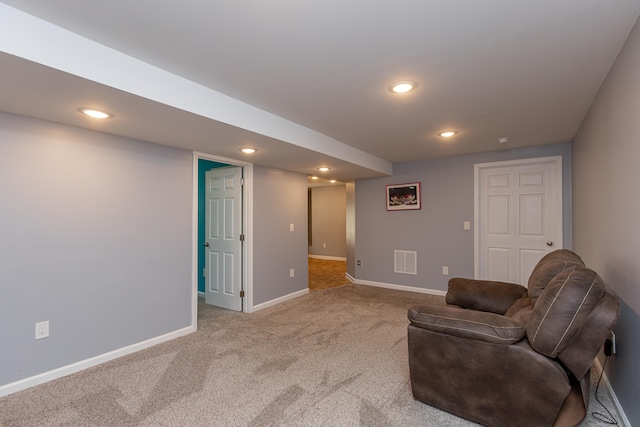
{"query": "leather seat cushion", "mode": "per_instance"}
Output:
(475, 325)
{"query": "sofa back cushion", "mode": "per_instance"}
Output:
(549, 267)
(562, 308)
(578, 354)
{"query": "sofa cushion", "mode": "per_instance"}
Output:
(548, 267)
(562, 308)
(475, 325)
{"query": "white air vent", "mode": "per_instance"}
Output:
(405, 262)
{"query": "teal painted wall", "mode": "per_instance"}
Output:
(203, 167)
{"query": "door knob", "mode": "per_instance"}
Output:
(207, 244)
(548, 244)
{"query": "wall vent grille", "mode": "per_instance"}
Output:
(405, 262)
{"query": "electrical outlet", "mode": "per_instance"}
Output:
(292, 272)
(42, 329)
(359, 263)
(445, 270)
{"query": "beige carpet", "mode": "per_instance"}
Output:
(334, 357)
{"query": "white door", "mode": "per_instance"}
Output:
(518, 216)
(223, 231)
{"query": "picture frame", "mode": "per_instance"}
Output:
(402, 197)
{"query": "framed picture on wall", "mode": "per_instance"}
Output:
(401, 197)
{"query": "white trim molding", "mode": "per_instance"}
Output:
(327, 257)
(281, 299)
(63, 371)
(397, 287)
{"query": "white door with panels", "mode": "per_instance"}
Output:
(518, 216)
(223, 238)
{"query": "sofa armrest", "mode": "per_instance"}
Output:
(483, 295)
(470, 324)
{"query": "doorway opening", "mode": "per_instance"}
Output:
(203, 163)
(327, 273)
(327, 236)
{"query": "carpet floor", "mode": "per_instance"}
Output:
(333, 357)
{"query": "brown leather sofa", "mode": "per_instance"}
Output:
(501, 354)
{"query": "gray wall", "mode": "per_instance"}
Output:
(606, 156)
(329, 221)
(95, 236)
(280, 198)
(436, 231)
(351, 228)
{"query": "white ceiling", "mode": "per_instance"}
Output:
(528, 70)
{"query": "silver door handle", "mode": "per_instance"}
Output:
(548, 244)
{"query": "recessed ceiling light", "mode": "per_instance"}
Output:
(248, 150)
(503, 140)
(447, 134)
(333, 181)
(324, 169)
(314, 177)
(403, 86)
(96, 114)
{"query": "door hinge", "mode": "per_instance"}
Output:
(241, 181)
(242, 237)
(241, 294)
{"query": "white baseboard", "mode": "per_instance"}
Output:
(280, 300)
(625, 420)
(44, 377)
(201, 294)
(327, 257)
(396, 287)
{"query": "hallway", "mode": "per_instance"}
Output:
(325, 274)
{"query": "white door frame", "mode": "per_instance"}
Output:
(557, 163)
(247, 221)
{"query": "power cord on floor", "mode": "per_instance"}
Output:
(607, 418)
